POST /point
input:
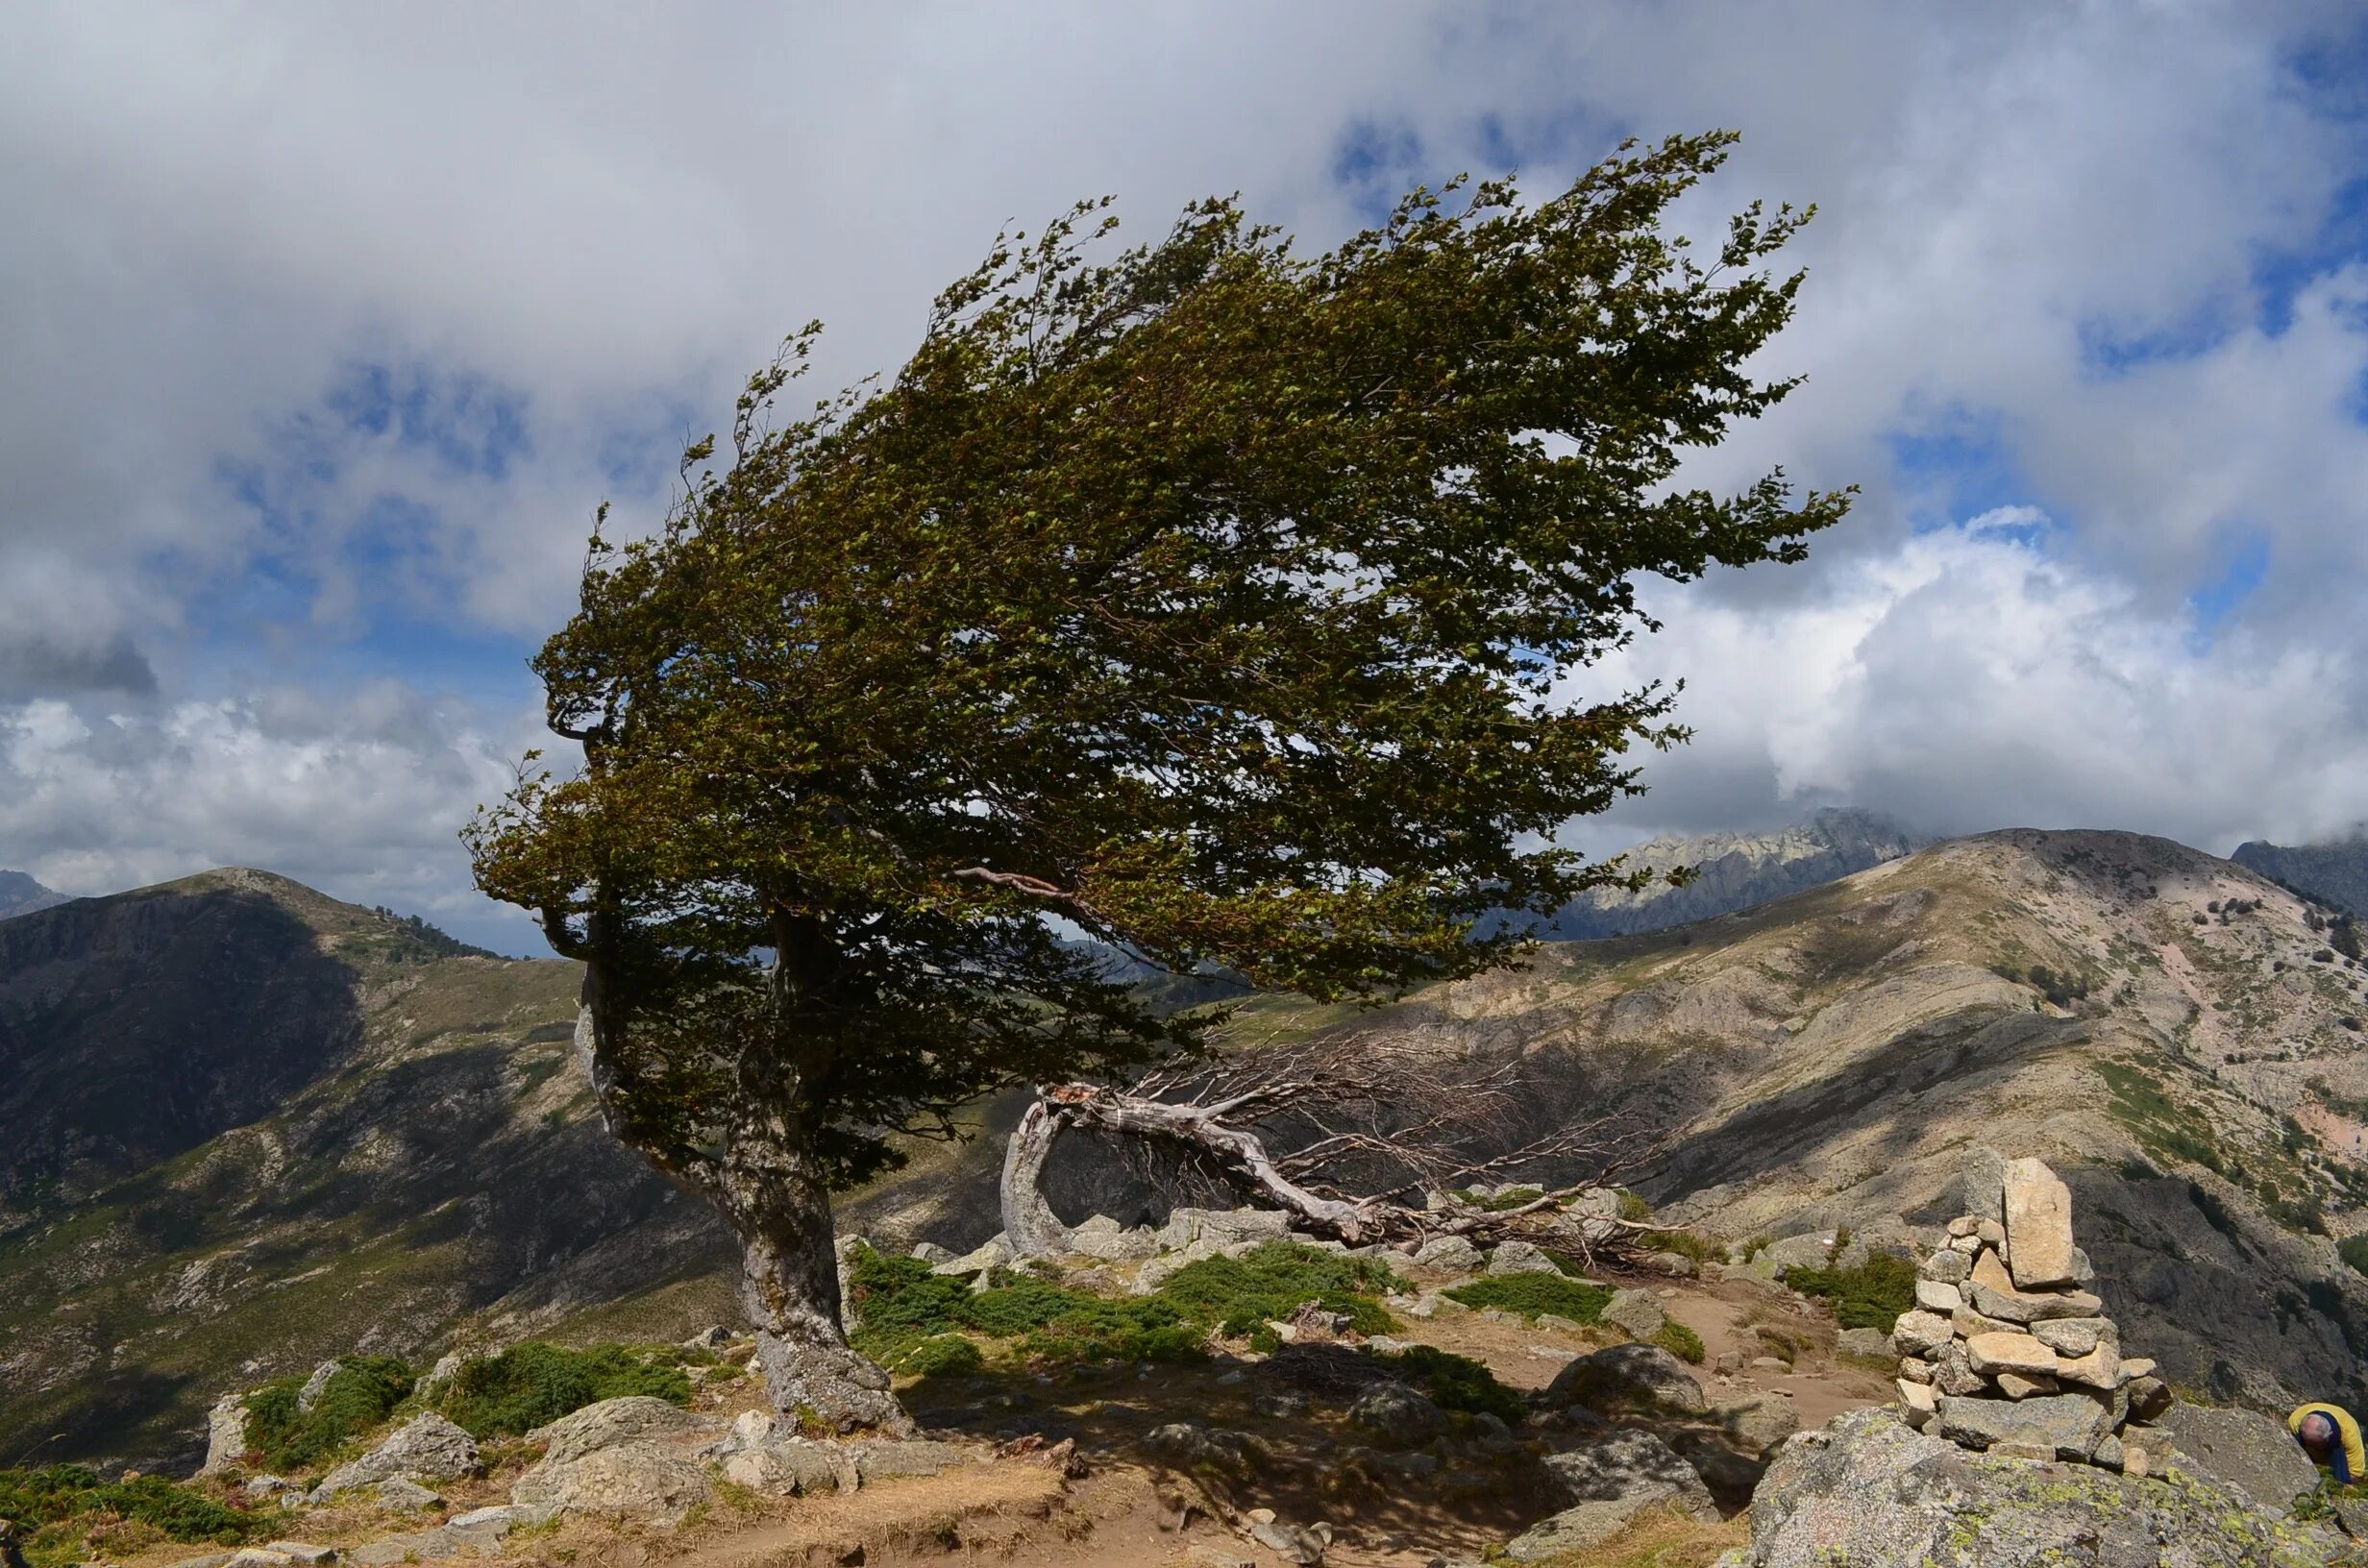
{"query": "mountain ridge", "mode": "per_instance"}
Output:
(21, 894)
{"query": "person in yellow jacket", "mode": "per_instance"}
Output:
(2331, 1437)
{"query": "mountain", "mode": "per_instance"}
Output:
(2336, 872)
(366, 1142)
(250, 1127)
(1734, 870)
(21, 894)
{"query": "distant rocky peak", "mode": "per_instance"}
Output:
(2334, 871)
(21, 894)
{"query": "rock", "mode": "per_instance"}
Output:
(2150, 1397)
(302, 1552)
(882, 1458)
(1967, 1323)
(1869, 1342)
(262, 1487)
(641, 1480)
(1223, 1227)
(258, 1556)
(1759, 1423)
(1921, 1333)
(1992, 1291)
(714, 1336)
(1159, 1270)
(2100, 1368)
(1869, 1491)
(1520, 1258)
(1914, 1370)
(1620, 1376)
(792, 1466)
(633, 1418)
(2038, 1224)
(930, 1252)
(1933, 1296)
(1990, 1234)
(1605, 1483)
(2247, 1450)
(1187, 1445)
(226, 1434)
(1991, 1353)
(1637, 1313)
(424, 1448)
(2072, 1335)
(2069, 1425)
(1397, 1416)
(310, 1395)
(1675, 1264)
(1797, 1252)
(1919, 1403)
(1945, 1267)
(1953, 1371)
(993, 1252)
(440, 1374)
(405, 1494)
(1453, 1254)
(1730, 1363)
(1115, 1246)
(1963, 1225)
(2015, 1386)
(1294, 1543)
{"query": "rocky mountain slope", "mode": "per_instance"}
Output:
(2336, 872)
(21, 894)
(250, 1127)
(2164, 1028)
(1734, 870)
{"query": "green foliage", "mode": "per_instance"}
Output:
(903, 1307)
(1682, 1342)
(1535, 1295)
(1693, 1244)
(1458, 1382)
(2163, 1127)
(1869, 1297)
(1633, 1207)
(1211, 597)
(69, 1494)
(357, 1397)
(2343, 932)
(530, 1384)
(2354, 1250)
(941, 1355)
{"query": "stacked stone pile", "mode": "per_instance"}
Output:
(2007, 1350)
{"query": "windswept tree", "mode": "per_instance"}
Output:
(1210, 599)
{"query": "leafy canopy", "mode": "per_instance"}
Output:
(1213, 597)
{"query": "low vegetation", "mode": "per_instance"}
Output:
(70, 1513)
(1458, 1382)
(913, 1321)
(1867, 1295)
(358, 1396)
(530, 1384)
(1682, 1342)
(1536, 1295)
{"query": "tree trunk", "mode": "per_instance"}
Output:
(1239, 1152)
(1029, 1224)
(769, 1192)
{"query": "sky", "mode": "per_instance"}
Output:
(328, 328)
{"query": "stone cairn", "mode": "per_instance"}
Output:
(2009, 1352)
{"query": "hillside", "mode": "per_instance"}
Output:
(252, 1126)
(2164, 1027)
(2336, 872)
(1731, 871)
(21, 894)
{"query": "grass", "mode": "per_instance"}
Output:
(2162, 1127)
(1536, 1295)
(1661, 1538)
(72, 1513)
(530, 1384)
(907, 1314)
(1869, 1297)
(1682, 1342)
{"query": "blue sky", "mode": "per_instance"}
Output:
(330, 328)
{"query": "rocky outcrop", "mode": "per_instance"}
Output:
(1627, 1377)
(1605, 1485)
(632, 1456)
(428, 1447)
(1871, 1491)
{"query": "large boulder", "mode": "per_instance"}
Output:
(1521, 1257)
(1637, 1313)
(1627, 1377)
(633, 1418)
(1868, 1491)
(2038, 1221)
(1796, 1252)
(1604, 1485)
(1760, 1422)
(226, 1434)
(1452, 1254)
(1221, 1227)
(2245, 1449)
(1397, 1416)
(2070, 1425)
(424, 1448)
(630, 1479)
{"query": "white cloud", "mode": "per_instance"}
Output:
(610, 213)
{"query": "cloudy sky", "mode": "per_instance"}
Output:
(326, 327)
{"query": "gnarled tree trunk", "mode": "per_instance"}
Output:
(1029, 1224)
(768, 1188)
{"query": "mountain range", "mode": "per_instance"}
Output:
(21, 894)
(2335, 870)
(251, 1127)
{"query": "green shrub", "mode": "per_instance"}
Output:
(1871, 1296)
(531, 1383)
(1633, 1207)
(357, 1397)
(65, 1493)
(1533, 1295)
(2354, 1251)
(941, 1355)
(1681, 1342)
(1694, 1245)
(1236, 1294)
(1458, 1382)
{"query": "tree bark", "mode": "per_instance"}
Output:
(1029, 1224)
(765, 1188)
